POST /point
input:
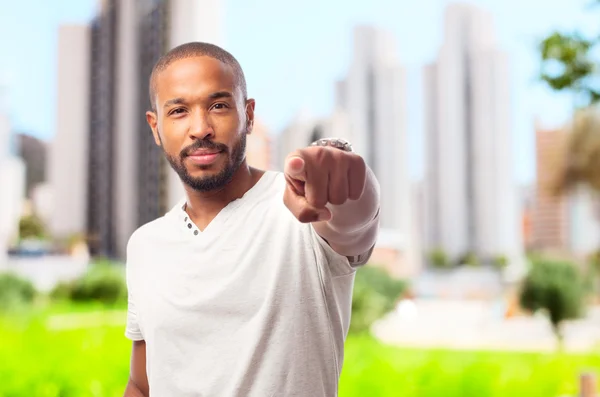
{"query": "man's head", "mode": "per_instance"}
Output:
(200, 113)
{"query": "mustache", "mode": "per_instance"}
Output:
(203, 144)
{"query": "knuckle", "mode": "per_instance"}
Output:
(337, 199)
(319, 202)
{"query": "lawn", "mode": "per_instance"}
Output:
(46, 354)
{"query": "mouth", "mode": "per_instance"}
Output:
(204, 157)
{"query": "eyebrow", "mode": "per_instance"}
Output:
(174, 101)
(220, 95)
(213, 96)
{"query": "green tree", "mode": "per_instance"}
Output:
(569, 64)
(500, 261)
(557, 288)
(468, 259)
(31, 227)
(439, 259)
(375, 294)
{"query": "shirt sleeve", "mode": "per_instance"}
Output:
(338, 265)
(132, 327)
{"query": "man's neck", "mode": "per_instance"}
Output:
(203, 207)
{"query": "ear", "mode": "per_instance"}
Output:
(250, 103)
(152, 120)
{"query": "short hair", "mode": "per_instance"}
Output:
(196, 49)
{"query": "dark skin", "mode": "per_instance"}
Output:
(197, 98)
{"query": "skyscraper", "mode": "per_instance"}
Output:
(68, 159)
(373, 96)
(561, 222)
(12, 182)
(190, 20)
(471, 196)
(130, 182)
(258, 147)
(102, 132)
(305, 129)
(550, 220)
(33, 151)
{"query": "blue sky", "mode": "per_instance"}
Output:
(292, 52)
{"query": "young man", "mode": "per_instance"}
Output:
(244, 288)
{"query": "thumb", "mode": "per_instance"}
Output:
(302, 210)
(294, 168)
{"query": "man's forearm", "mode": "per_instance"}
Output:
(354, 225)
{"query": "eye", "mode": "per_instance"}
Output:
(177, 111)
(220, 106)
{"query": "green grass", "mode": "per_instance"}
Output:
(36, 361)
(375, 369)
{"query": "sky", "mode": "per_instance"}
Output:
(292, 53)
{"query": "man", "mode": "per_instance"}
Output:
(244, 288)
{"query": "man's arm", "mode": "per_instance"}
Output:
(354, 225)
(138, 380)
(336, 192)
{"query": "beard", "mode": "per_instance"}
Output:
(211, 182)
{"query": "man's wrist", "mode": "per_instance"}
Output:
(337, 143)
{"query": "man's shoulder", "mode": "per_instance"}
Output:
(147, 233)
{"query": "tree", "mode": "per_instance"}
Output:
(557, 288)
(439, 259)
(469, 258)
(568, 64)
(500, 262)
(375, 294)
(31, 227)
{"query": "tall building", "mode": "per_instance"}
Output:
(373, 97)
(305, 129)
(68, 167)
(33, 151)
(258, 147)
(550, 221)
(190, 20)
(12, 181)
(5, 133)
(584, 226)
(152, 199)
(471, 196)
(102, 131)
(130, 183)
(561, 223)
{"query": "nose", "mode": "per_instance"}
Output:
(201, 127)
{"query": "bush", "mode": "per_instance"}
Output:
(439, 259)
(500, 262)
(103, 282)
(468, 259)
(31, 227)
(375, 294)
(557, 288)
(15, 291)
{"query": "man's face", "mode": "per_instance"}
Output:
(201, 121)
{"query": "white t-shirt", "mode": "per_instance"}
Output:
(256, 305)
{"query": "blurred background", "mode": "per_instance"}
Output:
(479, 119)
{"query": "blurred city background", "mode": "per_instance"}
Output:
(480, 120)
